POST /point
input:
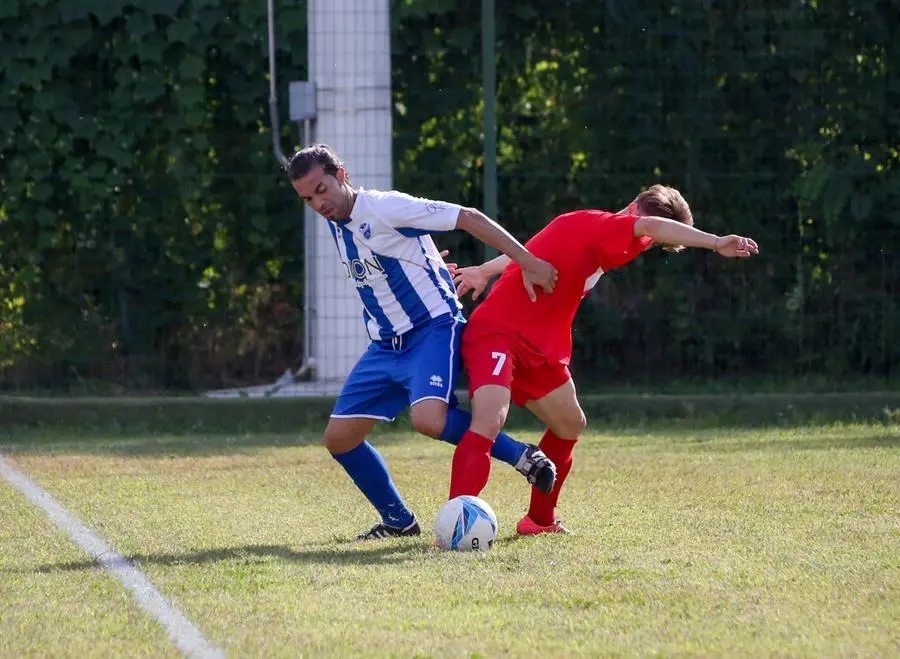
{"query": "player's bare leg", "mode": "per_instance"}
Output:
(565, 421)
(434, 418)
(345, 440)
(429, 417)
(560, 411)
(472, 458)
(342, 435)
(490, 407)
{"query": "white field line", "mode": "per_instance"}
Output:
(186, 637)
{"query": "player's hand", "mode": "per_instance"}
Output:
(537, 272)
(472, 279)
(452, 267)
(732, 246)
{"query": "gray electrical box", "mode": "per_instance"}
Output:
(302, 100)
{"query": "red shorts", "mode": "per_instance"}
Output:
(496, 356)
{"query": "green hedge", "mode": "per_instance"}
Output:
(149, 240)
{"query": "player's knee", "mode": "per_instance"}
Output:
(338, 441)
(572, 426)
(582, 422)
(428, 422)
(332, 442)
(487, 425)
(429, 427)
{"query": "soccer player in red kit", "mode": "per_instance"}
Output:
(517, 346)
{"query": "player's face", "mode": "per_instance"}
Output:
(330, 196)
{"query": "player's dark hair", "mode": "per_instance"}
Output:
(663, 201)
(315, 155)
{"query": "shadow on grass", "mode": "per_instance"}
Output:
(345, 553)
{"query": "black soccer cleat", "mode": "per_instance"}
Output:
(537, 468)
(381, 531)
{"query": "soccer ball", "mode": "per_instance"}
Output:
(465, 523)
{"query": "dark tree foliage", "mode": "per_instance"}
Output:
(148, 238)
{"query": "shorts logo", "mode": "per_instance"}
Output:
(365, 230)
(435, 206)
(437, 381)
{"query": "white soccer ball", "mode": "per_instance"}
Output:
(465, 523)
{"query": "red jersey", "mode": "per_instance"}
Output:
(582, 245)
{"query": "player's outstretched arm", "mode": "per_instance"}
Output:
(535, 272)
(671, 232)
(495, 266)
(475, 278)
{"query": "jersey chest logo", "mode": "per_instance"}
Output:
(364, 271)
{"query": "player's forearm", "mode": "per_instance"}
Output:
(496, 265)
(480, 226)
(671, 232)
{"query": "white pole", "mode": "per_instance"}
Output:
(349, 62)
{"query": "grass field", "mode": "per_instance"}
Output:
(781, 542)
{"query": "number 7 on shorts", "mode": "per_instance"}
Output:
(501, 360)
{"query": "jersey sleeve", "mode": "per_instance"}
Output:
(610, 235)
(415, 216)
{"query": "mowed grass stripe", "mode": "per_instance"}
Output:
(181, 631)
(52, 612)
(720, 542)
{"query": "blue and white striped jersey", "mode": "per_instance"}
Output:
(389, 255)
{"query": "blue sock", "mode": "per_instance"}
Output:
(505, 448)
(367, 469)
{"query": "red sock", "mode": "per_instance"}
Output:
(543, 506)
(471, 465)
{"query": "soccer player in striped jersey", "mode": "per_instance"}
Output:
(414, 320)
(518, 350)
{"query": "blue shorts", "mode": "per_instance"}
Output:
(395, 374)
